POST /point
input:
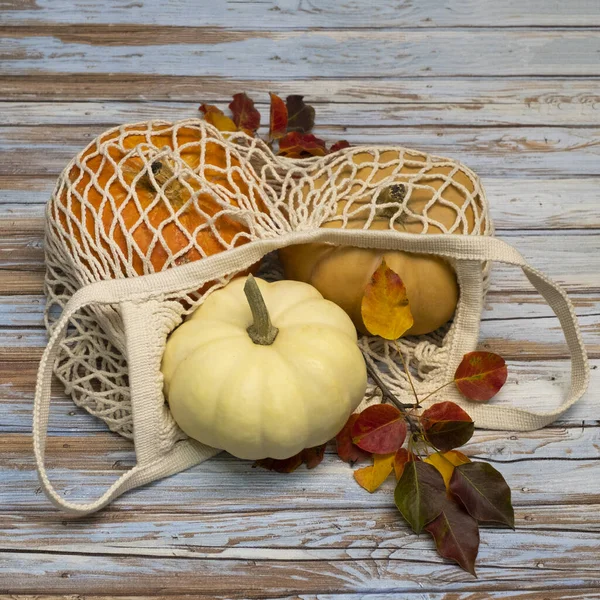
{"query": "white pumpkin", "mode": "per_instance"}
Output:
(237, 382)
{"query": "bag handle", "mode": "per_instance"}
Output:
(499, 417)
(191, 276)
(146, 400)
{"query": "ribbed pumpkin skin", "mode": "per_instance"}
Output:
(258, 401)
(341, 273)
(102, 214)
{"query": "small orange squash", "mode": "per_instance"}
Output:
(341, 273)
(110, 205)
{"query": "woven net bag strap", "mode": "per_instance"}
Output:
(142, 328)
(139, 298)
(490, 416)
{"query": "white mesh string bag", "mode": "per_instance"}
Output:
(151, 218)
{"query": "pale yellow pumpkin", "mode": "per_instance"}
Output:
(342, 273)
(258, 388)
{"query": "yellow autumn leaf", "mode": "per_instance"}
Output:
(445, 463)
(384, 308)
(372, 477)
(217, 118)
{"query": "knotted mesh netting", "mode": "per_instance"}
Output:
(147, 197)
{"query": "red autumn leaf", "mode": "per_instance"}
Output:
(245, 116)
(447, 425)
(346, 450)
(402, 457)
(280, 465)
(301, 145)
(483, 492)
(313, 457)
(301, 116)
(339, 146)
(310, 456)
(456, 535)
(420, 494)
(480, 375)
(380, 429)
(278, 118)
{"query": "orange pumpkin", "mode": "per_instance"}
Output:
(100, 218)
(341, 273)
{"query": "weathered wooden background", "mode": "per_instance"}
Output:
(511, 87)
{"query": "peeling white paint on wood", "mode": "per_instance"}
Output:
(301, 54)
(294, 14)
(510, 89)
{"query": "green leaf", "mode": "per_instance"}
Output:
(420, 494)
(483, 492)
(456, 535)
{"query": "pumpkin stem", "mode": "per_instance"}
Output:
(395, 193)
(262, 331)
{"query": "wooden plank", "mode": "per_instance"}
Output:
(289, 14)
(510, 338)
(226, 484)
(356, 535)
(534, 385)
(503, 152)
(571, 258)
(552, 91)
(228, 535)
(96, 451)
(515, 203)
(570, 112)
(30, 572)
(162, 50)
(554, 594)
(21, 282)
(28, 310)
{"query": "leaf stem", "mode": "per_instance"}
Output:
(412, 385)
(261, 331)
(436, 391)
(389, 395)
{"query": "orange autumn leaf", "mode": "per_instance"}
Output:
(402, 457)
(445, 463)
(372, 477)
(384, 308)
(217, 118)
(278, 117)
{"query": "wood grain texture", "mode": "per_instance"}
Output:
(247, 54)
(510, 88)
(291, 14)
(507, 151)
(555, 91)
(570, 109)
(535, 385)
(515, 203)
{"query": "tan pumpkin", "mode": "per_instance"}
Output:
(341, 273)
